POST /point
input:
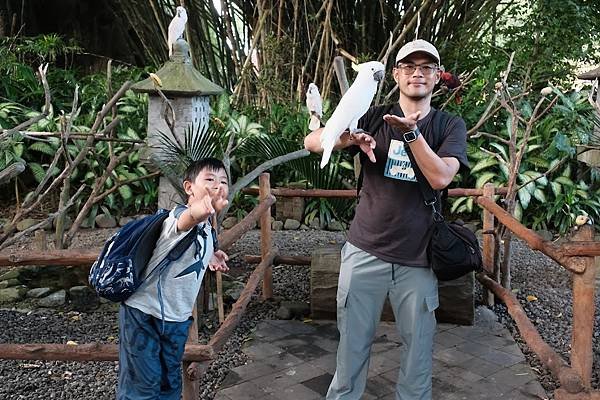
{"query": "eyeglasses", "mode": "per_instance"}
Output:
(409, 69)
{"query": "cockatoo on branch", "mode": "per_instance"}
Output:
(176, 27)
(314, 103)
(353, 105)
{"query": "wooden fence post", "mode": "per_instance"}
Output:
(219, 276)
(41, 240)
(265, 234)
(584, 286)
(489, 239)
(220, 304)
(190, 387)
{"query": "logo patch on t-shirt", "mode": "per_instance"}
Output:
(398, 164)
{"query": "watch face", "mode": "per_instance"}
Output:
(410, 136)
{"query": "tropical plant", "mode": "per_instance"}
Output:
(37, 152)
(547, 170)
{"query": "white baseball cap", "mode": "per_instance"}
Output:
(415, 46)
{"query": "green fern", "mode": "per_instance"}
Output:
(37, 170)
(44, 148)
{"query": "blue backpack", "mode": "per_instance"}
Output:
(118, 271)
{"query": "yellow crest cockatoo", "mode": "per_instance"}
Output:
(353, 105)
(314, 103)
(176, 27)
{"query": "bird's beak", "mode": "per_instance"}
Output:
(378, 76)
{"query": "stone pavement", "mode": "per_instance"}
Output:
(293, 360)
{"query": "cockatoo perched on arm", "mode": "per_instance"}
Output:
(353, 105)
(176, 27)
(314, 103)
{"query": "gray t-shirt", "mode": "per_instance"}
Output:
(181, 281)
(391, 220)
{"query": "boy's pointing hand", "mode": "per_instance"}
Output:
(202, 208)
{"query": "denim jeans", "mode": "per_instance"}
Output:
(150, 356)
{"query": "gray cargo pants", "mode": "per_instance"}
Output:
(365, 281)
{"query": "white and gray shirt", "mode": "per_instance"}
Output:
(181, 281)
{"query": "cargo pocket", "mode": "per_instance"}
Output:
(429, 321)
(343, 289)
(432, 303)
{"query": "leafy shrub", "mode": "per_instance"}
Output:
(25, 96)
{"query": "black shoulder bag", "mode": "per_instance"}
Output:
(453, 250)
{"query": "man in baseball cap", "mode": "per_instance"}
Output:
(385, 255)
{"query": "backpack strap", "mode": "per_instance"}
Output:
(174, 254)
(376, 122)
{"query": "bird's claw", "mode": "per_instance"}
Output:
(357, 131)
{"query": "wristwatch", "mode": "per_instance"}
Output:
(411, 136)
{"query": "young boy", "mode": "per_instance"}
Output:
(154, 321)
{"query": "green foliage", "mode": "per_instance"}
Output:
(18, 59)
(551, 189)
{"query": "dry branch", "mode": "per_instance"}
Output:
(11, 171)
(45, 223)
(38, 195)
(80, 136)
(245, 181)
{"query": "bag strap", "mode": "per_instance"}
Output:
(177, 251)
(429, 194)
(377, 123)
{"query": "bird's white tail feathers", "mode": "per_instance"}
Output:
(327, 146)
(325, 158)
(315, 123)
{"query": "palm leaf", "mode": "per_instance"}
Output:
(173, 157)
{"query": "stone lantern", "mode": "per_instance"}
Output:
(590, 154)
(188, 92)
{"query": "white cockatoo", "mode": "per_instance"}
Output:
(176, 27)
(314, 103)
(353, 105)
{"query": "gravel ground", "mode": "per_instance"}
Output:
(533, 274)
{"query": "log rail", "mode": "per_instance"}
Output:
(576, 256)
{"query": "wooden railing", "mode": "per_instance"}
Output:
(577, 256)
(194, 353)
